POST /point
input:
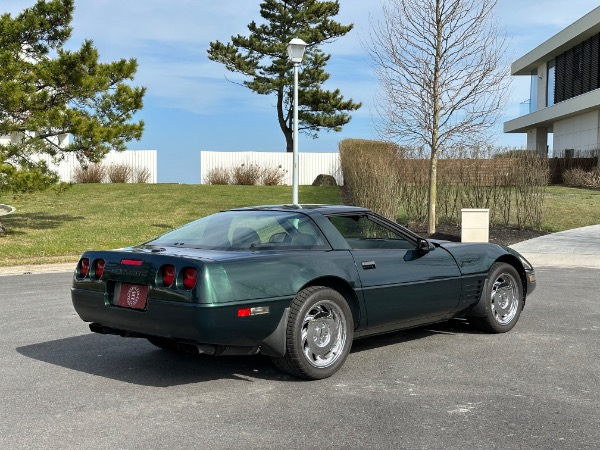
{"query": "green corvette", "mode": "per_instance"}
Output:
(297, 283)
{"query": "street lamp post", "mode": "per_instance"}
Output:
(295, 50)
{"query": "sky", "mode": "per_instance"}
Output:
(191, 104)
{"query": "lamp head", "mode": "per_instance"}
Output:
(295, 50)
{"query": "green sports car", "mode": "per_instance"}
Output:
(297, 283)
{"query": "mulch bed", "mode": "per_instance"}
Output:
(498, 234)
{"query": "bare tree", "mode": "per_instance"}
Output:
(443, 75)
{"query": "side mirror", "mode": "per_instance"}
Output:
(423, 245)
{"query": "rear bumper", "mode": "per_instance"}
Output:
(190, 322)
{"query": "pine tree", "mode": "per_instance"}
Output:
(262, 57)
(47, 93)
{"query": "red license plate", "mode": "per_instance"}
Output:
(131, 295)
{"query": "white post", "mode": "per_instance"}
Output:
(295, 174)
(475, 225)
(295, 50)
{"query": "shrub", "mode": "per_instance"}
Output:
(218, 175)
(246, 175)
(529, 178)
(582, 178)
(511, 185)
(272, 177)
(119, 173)
(93, 173)
(141, 175)
(389, 179)
(371, 171)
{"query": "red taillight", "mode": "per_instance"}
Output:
(190, 276)
(254, 311)
(131, 262)
(244, 312)
(168, 275)
(99, 268)
(84, 267)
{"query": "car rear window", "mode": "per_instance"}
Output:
(247, 230)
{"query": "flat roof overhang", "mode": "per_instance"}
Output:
(544, 118)
(569, 37)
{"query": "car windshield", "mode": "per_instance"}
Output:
(247, 230)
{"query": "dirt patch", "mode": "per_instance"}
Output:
(498, 234)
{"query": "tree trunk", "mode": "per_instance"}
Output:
(287, 130)
(289, 140)
(432, 200)
(435, 125)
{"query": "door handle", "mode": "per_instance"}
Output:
(368, 265)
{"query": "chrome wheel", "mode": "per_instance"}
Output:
(323, 334)
(319, 334)
(504, 298)
(501, 304)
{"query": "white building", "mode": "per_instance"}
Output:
(565, 94)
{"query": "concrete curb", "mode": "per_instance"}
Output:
(37, 269)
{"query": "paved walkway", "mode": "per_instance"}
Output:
(579, 247)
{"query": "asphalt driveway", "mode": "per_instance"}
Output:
(435, 387)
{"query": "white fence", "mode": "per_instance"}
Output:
(136, 159)
(310, 165)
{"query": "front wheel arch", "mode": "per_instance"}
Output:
(501, 302)
(514, 261)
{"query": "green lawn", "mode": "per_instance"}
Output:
(51, 227)
(566, 208)
(57, 227)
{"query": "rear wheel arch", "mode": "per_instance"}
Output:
(319, 334)
(343, 287)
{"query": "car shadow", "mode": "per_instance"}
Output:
(136, 361)
(455, 326)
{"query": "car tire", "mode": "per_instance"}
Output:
(319, 334)
(164, 343)
(502, 301)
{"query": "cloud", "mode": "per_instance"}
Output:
(170, 38)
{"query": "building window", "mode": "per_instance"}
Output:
(533, 91)
(577, 70)
(577, 64)
(550, 83)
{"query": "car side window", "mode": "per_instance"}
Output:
(362, 233)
